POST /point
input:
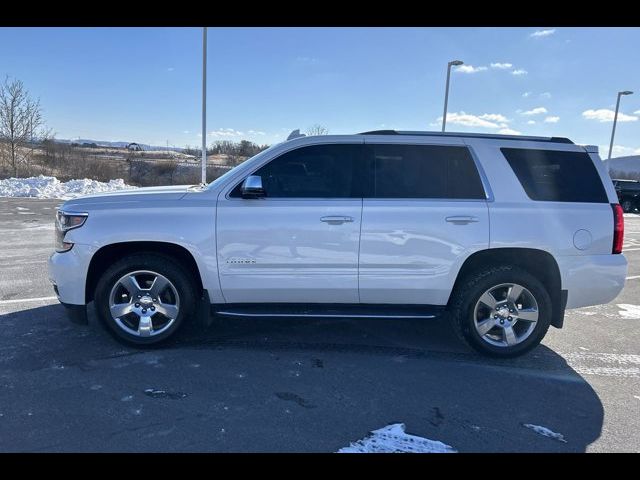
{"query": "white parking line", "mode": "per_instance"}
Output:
(633, 277)
(22, 300)
(629, 249)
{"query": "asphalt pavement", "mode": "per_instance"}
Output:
(294, 385)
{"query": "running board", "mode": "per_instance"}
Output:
(328, 310)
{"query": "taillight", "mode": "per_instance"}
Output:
(618, 227)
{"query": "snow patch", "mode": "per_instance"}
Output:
(545, 432)
(393, 439)
(50, 187)
(629, 311)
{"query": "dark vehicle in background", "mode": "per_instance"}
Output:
(628, 194)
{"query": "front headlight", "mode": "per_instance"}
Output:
(66, 221)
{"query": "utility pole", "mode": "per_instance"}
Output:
(446, 90)
(204, 105)
(615, 120)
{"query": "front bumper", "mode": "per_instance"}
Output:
(68, 273)
(592, 279)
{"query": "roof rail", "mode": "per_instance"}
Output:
(470, 135)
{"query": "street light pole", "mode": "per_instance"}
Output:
(446, 91)
(204, 106)
(615, 120)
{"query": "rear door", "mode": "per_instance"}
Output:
(425, 211)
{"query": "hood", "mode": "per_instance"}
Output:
(131, 196)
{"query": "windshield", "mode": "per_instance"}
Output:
(221, 178)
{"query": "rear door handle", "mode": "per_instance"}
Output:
(461, 219)
(336, 219)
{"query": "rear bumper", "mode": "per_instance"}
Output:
(592, 279)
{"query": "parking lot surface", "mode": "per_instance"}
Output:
(294, 385)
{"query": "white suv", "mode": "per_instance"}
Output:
(500, 232)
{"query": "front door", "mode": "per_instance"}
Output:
(299, 244)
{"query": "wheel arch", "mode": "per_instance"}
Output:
(539, 263)
(107, 254)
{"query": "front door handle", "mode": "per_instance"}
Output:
(461, 219)
(336, 219)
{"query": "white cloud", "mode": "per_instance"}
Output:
(170, 69)
(494, 117)
(637, 112)
(307, 60)
(501, 66)
(186, 132)
(486, 120)
(545, 95)
(543, 33)
(535, 111)
(519, 71)
(469, 69)
(552, 119)
(256, 132)
(508, 131)
(606, 115)
(225, 132)
(618, 151)
(531, 122)
(526, 94)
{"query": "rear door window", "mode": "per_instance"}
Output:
(555, 176)
(423, 171)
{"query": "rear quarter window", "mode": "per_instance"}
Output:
(549, 175)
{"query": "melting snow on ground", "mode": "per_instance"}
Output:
(629, 311)
(51, 187)
(545, 432)
(393, 439)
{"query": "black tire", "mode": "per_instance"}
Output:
(627, 206)
(162, 264)
(474, 285)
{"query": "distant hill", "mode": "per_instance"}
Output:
(104, 143)
(629, 165)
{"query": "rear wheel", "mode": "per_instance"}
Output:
(502, 311)
(627, 206)
(143, 299)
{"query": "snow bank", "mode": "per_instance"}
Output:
(51, 187)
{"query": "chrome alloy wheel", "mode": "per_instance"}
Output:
(144, 303)
(505, 315)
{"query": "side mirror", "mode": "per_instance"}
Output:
(252, 187)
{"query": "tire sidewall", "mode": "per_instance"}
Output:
(154, 262)
(507, 275)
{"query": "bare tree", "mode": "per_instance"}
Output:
(21, 124)
(317, 129)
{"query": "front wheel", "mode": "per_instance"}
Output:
(144, 298)
(502, 311)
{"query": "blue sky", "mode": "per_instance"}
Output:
(143, 84)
